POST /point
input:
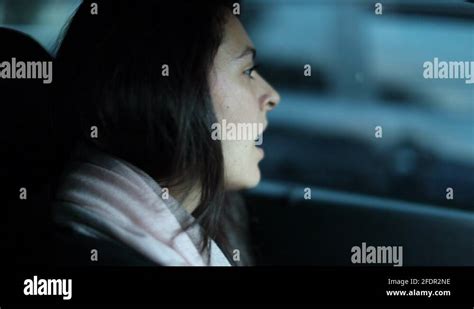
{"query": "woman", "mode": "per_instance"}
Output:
(142, 84)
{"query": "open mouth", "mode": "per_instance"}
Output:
(259, 140)
(258, 143)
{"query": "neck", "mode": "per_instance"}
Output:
(189, 199)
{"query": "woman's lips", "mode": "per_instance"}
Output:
(260, 151)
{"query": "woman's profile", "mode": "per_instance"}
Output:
(142, 83)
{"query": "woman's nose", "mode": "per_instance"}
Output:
(271, 97)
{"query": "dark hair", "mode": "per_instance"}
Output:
(111, 68)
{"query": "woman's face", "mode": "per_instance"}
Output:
(242, 98)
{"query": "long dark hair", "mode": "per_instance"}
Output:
(110, 66)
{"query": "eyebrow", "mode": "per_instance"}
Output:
(248, 51)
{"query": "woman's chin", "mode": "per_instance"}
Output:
(253, 180)
(248, 181)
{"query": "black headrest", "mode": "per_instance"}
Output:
(25, 110)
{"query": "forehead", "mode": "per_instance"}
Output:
(235, 38)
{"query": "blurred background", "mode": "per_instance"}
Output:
(366, 71)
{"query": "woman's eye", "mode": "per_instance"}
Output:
(250, 71)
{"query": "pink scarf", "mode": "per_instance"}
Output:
(127, 203)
